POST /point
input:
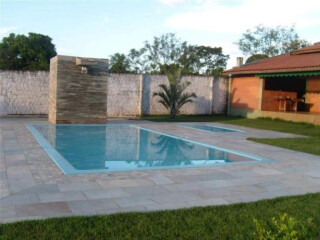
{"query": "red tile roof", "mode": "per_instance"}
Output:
(304, 59)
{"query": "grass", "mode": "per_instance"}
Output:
(307, 145)
(217, 222)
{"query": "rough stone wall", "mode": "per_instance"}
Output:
(123, 96)
(24, 92)
(211, 95)
(150, 84)
(202, 86)
(127, 94)
(220, 95)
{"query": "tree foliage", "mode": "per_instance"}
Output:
(32, 52)
(203, 60)
(119, 63)
(270, 41)
(155, 56)
(256, 57)
(164, 50)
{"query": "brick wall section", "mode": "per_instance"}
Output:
(23, 92)
(313, 92)
(245, 93)
(269, 101)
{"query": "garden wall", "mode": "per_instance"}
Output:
(127, 94)
(24, 92)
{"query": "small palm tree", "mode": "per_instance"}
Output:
(173, 97)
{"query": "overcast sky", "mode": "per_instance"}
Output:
(99, 28)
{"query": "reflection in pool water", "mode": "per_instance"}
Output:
(89, 148)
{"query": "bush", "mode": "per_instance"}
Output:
(284, 228)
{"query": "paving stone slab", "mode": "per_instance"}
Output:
(125, 183)
(78, 186)
(146, 190)
(92, 205)
(134, 201)
(106, 193)
(19, 199)
(61, 196)
(42, 209)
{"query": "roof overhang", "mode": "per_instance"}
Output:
(288, 74)
(269, 71)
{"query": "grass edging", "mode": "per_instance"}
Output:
(215, 222)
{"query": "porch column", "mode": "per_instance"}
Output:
(260, 92)
(229, 94)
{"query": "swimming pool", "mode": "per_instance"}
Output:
(117, 147)
(210, 128)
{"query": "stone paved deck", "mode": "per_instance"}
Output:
(33, 187)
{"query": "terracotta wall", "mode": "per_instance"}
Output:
(269, 101)
(245, 92)
(314, 94)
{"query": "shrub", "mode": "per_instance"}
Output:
(284, 227)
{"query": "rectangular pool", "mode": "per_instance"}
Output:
(116, 147)
(210, 128)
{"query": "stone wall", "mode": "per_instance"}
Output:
(24, 92)
(123, 95)
(78, 90)
(131, 94)
(127, 94)
(202, 86)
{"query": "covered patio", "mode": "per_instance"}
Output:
(285, 86)
(290, 92)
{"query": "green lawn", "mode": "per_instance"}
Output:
(219, 222)
(308, 145)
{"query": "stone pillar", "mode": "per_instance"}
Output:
(78, 90)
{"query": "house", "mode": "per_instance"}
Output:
(285, 86)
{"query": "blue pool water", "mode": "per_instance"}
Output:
(210, 128)
(109, 148)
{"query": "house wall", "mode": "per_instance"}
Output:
(245, 93)
(126, 94)
(269, 99)
(313, 94)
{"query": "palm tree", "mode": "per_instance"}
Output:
(173, 97)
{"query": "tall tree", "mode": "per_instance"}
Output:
(203, 60)
(270, 41)
(156, 56)
(138, 61)
(119, 63)
(164, 50)
(32, 52)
